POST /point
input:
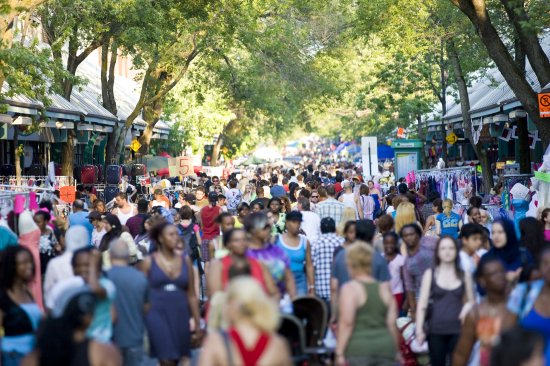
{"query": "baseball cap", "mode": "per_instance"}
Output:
(294, 216)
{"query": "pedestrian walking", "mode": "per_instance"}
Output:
(131, 303)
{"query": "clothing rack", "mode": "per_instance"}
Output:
(509, 181)
(467, 174)
(446, 169)
(23, 188)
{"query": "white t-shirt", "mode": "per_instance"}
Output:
(394, 267)
(467, 263)
(311, 225)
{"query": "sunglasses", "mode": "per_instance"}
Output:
(314, 196)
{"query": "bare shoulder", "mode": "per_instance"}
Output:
(280, 348)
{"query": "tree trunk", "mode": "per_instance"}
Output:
(443, 98)
(528, 39)
(479, 16)
(466, 120)
(111, 154)
(216, 150)
(108, 97)
(145, 139)
(17, 155)
(151, 115)
(524, 150)
(422, 138)
(67, 156)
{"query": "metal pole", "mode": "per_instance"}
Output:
(370, 163)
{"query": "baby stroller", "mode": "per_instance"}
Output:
(312, 313)
(291, 329)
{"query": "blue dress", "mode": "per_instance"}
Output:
(297, 256)
(168, 319)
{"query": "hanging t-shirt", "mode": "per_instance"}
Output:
(449, 224)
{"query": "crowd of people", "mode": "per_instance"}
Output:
(208, 275)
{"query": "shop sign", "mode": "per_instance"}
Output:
(544, 105)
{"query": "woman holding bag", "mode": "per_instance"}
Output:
(446, 294)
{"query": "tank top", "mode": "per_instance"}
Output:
(367, 205)
(535, 321)
(445, 309)
(348, 199)
(123, 217)
(297, 257)
(250, 356)
(370, 336)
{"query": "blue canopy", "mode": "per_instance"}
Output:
(385, 152)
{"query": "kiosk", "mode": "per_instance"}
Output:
(407, 156)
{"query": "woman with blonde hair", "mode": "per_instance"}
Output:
(448, 222)
(367, 334)
(347, 215)
(251, 338)
(405, 215)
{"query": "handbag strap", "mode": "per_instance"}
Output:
(227, 344)
(524, 298)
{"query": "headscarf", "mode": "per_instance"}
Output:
(510, 253)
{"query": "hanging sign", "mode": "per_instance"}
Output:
(67, 194)
(182, 165)
(135, 145)
(400, 132)
(451, 138)
(544, 105)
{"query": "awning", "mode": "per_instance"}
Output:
(94, 112)
(385, 152)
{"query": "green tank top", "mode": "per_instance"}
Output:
(370, 336)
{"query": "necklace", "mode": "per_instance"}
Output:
(169, 265)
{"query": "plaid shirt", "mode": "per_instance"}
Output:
(322, 255)
(330, 208)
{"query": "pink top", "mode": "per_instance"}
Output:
(30, 241)
(395, 267)
(547, 234)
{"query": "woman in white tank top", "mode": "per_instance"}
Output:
(349, 199)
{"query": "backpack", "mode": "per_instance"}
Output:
(190, 241)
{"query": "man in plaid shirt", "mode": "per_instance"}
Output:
(331, 207)
(322, 255)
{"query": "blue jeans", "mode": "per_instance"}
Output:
(132, 356)
(301, 284)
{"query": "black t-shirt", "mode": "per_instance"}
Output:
(16, 321)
